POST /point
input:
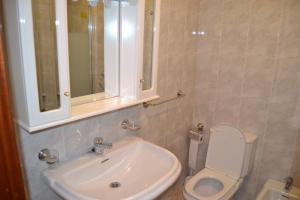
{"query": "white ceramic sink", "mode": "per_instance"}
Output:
(274, 190)
(142, 169)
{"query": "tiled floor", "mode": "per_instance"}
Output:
(174, 193)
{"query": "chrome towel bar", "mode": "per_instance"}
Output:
(179, 94)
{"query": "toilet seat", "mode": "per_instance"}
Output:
(223, 187)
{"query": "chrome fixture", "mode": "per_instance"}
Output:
(100, 146)
(179, 94)
(288, 183)
(197, 132)
(128, 125)
(51, 157)
(93, 3)
(198, 129)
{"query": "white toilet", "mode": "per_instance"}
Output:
(230, 157)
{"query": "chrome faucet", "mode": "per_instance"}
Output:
(129, 125)
(288, 183)
(100, 146)
(50, 156)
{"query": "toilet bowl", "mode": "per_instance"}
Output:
(230, 158)
(211, 185)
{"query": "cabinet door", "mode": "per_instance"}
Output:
(43, 30)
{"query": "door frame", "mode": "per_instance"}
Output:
(12, 185)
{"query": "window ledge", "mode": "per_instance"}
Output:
(87, 110)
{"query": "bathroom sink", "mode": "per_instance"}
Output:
(273, 190)
(132, 169)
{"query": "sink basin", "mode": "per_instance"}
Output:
(132, 169)
(273, 190)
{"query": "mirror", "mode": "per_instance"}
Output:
(93, 49)
(94, 42)
(43, 15)
(149, 22)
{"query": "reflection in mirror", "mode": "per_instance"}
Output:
(148, 43)
(85, 25)
(87, 22)
(43, 14)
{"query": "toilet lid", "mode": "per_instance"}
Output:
(226, 150)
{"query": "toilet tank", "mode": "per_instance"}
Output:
(249, 154)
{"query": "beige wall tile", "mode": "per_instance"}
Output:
(193, 6)
(210, 17)
(227, 110)
(208, 44)
(253, 117)
(233, 44)
(277, 156)
(259, 76)
(236, 17)
(267, 17)
(288, 80)
(289, 40)
(190, 39)
(206, 105)
(291, 22)
(296, 163)
(176, 33)
(262, 45)
(207, 71)
(230, 75)
(289, 47)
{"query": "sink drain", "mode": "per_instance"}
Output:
(115, 185)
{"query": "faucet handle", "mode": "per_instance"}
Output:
(50, 156)
(200, 127)
(131, 126)
(100, 145)
(288, 183)
(289, 179)
(98, 141)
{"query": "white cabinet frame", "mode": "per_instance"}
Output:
(143, 94)
(131, 50)
(23, 8)
(21, 52)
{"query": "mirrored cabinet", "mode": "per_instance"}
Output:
(72, 59)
